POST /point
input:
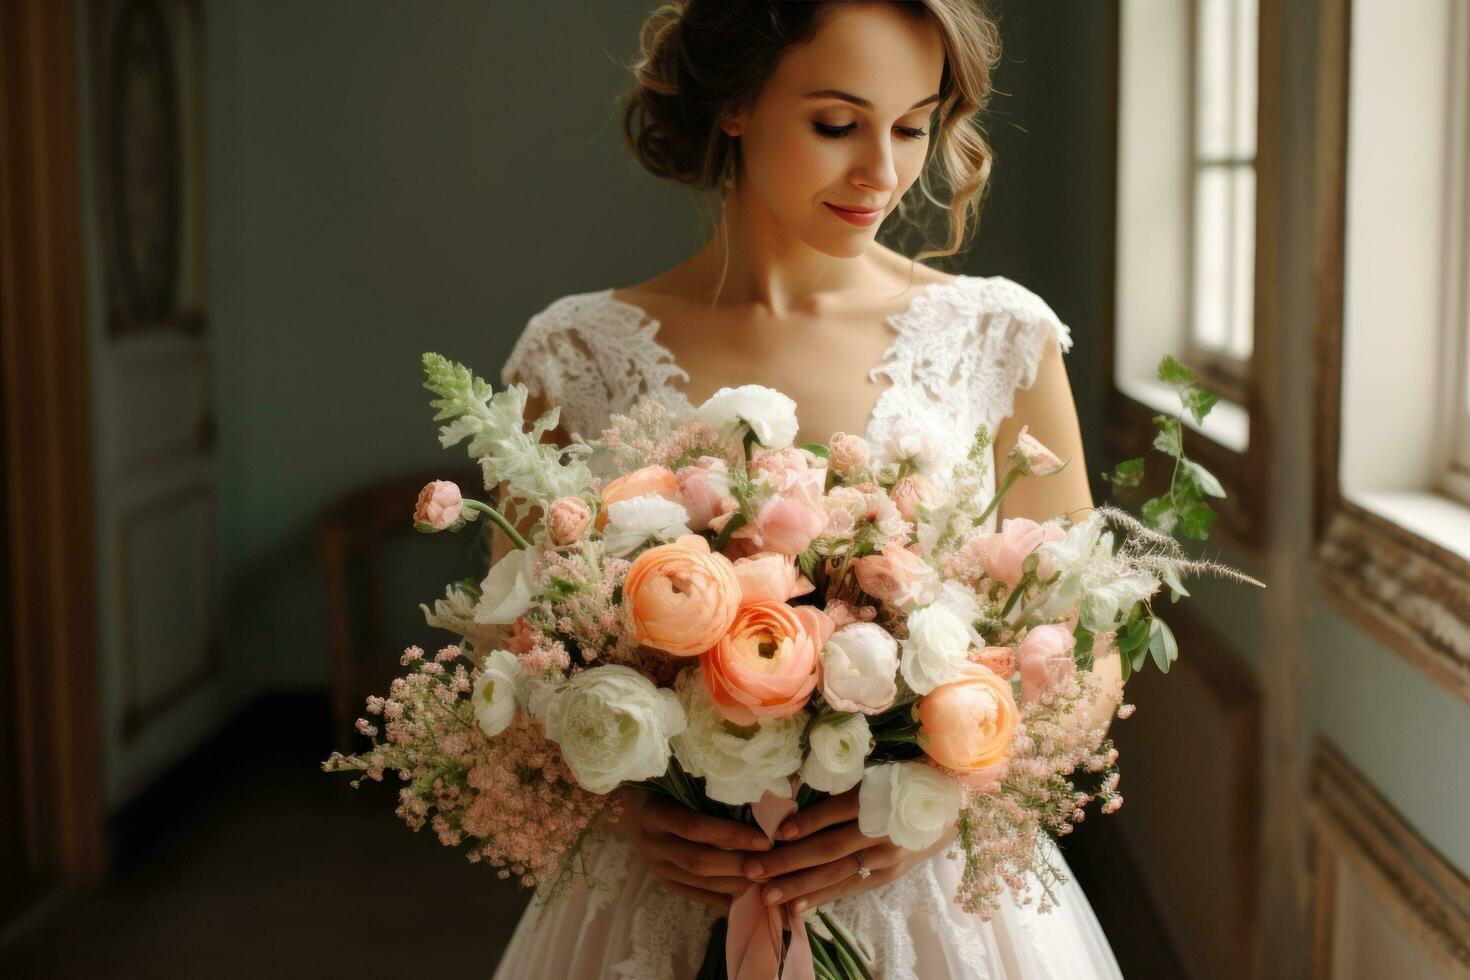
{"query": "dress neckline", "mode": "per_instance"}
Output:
(898, 322)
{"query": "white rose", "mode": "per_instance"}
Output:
(859, 668)
(737, 762)
(613, 725)
(495, 692)
(936, 649)
(910, 803)
(770, 414)
(505, 593)
(839, 747)
(633, 522)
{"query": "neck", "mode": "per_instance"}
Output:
(752, 259)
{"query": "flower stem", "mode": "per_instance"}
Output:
(1008, 481)
(501, 521)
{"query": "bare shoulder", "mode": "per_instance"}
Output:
(906, 272)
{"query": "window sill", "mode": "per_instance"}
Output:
(1227, 424)
(1432, 516)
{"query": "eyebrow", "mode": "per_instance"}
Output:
(830, 93)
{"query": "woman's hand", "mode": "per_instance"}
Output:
(697, 856)
(819, 860)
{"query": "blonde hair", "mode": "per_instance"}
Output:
(700, 61)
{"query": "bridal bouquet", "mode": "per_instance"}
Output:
(748, 625)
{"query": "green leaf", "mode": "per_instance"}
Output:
(1203, 478)
(1176, 375)
(1128, 473)
(1133, 636)
(1168, 440)
(1195, 521)
(1160, 515)
(817, 449)
(1199, 402)
(1162, 645)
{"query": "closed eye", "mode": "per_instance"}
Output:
(837, 132)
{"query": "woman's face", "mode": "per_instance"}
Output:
(843, 123)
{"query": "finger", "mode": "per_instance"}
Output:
(808, 880)
(851, 886)
(837, 809)
(705, 829)
(714, 900)
(707, 862)
(809, 852)
(725, 886)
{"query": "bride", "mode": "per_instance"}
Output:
(812, 122)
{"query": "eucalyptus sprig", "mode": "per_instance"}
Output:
(1183, 508)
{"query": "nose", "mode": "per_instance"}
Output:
(875, 169)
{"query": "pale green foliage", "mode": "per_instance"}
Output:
(493, 422)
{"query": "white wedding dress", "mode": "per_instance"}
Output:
(958, 353)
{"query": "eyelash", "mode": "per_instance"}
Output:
(837, 132)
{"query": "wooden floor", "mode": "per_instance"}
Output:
(250, 862)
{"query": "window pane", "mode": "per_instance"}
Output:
(1245, 79)
(1243, 219)
(1211, 257)
(1212, 77)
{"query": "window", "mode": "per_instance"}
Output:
(1198, 174)
(1223, 240)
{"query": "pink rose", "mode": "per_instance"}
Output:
(786, 524)
(439, 505)
(787, 471)
(704, 490)
(893, 575)
(1040, 461)
(567, 519)
(1001, 552)
(847, 454)
(1045, 658)
(771, 577)
(907, 494)
(1002, 660)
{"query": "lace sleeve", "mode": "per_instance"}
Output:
(1018, 327)
(553, 360)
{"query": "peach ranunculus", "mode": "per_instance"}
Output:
(682, 597)
(847, 453)
(704, 490)
(567, 519)
(911, 491)
(894, 575)
(771, 577)
(1044, 658)
(1002, 552)
(968, 723)
(765, 665)
(438, 505)
(657, 480)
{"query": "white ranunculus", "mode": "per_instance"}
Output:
(613, 725)
(494, 696)
(937, 648)
(505, 593)
(915, 444)
(859, 668)
(770, 414)
(637, 520)
(737, 762)
(839, 746)
(910, 803)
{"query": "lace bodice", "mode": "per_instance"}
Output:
(958, 353)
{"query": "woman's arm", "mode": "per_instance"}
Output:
(1049, 412)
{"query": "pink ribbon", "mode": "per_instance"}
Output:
(753, 942)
